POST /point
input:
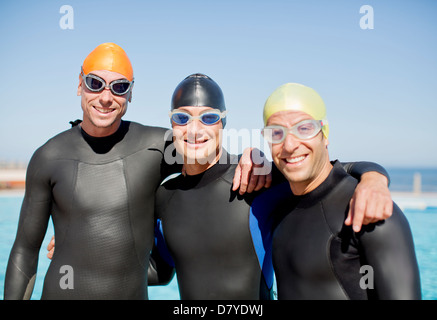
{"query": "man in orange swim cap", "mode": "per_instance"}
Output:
(105, 85)
(97, 181)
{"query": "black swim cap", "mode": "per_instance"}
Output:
(198, 90)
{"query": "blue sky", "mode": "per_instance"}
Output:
(379, 85)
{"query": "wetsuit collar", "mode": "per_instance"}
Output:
(209, 175)
(335, 176)
(103, 145)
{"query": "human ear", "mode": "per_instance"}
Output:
(79, 87)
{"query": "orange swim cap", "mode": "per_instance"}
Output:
(111, 57)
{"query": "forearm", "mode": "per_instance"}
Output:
(23, 260)
(161, 266)
(20, 274)
(357, 169)
(159, 273)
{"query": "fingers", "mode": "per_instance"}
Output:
(51, 248)
(51, 244)
(256, 182)
(245, 179)
(388, 208)
(372, 210)
(269, 180)
(248, 181)
(350, 213)
(359, 207)
(370, 203)
(237, 178)
(261, 183)
(253, 180)
(252, 173)
(379, 208)
(242, 172)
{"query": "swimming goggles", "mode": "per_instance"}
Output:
(303, 130)
(96, 84)
(209, 118)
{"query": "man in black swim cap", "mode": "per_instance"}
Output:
(218, 241)
(198, 97)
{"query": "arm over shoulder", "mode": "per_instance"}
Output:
(357, 169)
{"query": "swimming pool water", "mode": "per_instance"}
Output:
(423, 224)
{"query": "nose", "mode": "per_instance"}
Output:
(106, 97)
(194, 128)
(290, 144)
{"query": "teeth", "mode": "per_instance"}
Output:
(104, 110)
(294, 160)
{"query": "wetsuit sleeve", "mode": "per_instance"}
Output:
(357, 169)
(389, 250)
(160, 272)
(161, 265)
(32, 226)
(171, 160)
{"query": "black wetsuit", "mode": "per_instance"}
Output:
(206, 228)
(316, 256)
(100, 193)
(218, 241)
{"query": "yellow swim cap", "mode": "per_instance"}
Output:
(297, 97)
(111, 57)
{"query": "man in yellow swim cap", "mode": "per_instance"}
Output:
(315, 256)
(299, 107)
(291, 101)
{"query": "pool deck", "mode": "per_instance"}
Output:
(411, 200)
(12, 179)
